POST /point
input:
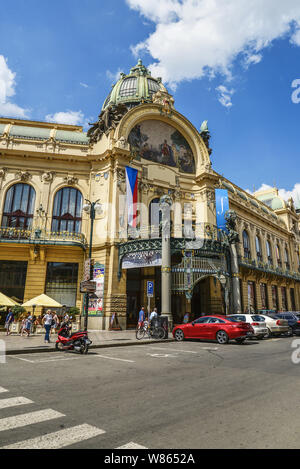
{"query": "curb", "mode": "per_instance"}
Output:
(51, 350)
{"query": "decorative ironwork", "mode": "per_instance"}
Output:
(268, 268)
(41, 236)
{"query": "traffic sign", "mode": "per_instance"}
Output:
(150, 289)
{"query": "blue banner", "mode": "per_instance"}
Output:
(222, 206)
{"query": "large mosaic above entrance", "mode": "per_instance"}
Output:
(159, 142)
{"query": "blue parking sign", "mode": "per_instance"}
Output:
(150, 289)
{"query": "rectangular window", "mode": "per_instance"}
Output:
(13, 279)
(61, 282)
(293, 302)
(275, 297)
(251, 296)
(284, 299)
(264, 296)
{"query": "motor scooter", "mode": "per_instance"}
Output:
(77, 341)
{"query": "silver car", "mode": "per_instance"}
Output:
(256, 321)
(276, 326)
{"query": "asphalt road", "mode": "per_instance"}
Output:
(158, 396)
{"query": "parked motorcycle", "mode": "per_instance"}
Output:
(77, 341)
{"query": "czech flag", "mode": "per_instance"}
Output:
(132, 194)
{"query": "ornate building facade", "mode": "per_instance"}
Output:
(49, 170)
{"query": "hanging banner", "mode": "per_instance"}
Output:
(136, 260)
(222, 206)
(132, 192)
(96, 298)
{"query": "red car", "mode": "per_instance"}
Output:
(214, 327)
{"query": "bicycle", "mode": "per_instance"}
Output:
(153, 332)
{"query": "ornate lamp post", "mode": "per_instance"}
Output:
(91, 208)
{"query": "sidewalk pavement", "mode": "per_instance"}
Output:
(15, 344)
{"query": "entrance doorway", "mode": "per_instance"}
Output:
(136, 285)
(208, 298)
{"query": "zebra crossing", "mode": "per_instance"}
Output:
(54, 440)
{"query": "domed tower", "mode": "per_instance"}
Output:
(133, 89)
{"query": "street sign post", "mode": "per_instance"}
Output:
(150, 294)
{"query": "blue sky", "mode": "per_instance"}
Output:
(227, 62)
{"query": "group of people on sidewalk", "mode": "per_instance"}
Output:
(142, 316)
(50, 321)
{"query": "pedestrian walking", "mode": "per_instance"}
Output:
(55, 322)
(47, 322)
(142, 317)
(22, 329)
(28, 324)
(8, 321)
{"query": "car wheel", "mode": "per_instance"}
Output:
(222, 337)
(260, 337)
(289, 332)
(179, 335)
(269, 334)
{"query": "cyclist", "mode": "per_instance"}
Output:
(142, 317)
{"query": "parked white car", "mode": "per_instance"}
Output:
(256, 321)
(276, 326)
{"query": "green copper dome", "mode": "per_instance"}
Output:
(135, 88)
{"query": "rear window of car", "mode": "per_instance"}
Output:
(234, 318)
(238, 318)
(258, 318)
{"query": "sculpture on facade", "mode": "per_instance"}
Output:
(108, 120)
(205, 134)
(231, 217)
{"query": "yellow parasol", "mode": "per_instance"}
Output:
(6, 301)
(42, 300)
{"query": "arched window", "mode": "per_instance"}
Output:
(269, 252)
(19, 206)
(258, 248)
(278, 256)
(246, 245)
(286, 258)
(67, 210)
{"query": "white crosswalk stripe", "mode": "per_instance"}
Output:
(14, 401)
(131, 445)
(31, 418)
(54, 440)
(60, 439)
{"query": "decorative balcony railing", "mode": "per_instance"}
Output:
(40, 236)
(268, 268)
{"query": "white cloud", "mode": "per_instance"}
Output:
(196, 38)
(68, 117)
(113, 76)
(224, 96)
(7, 91)
(84, 85)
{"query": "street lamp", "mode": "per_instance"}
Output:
(91, 208)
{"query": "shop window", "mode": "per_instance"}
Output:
(19, 206)
(284, 299)
(251, 296)
(13, 279)
(293, 302)
(275, 297)
(264, 296)
(67, 210)
(61, 282)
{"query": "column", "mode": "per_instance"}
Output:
(165, 205)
